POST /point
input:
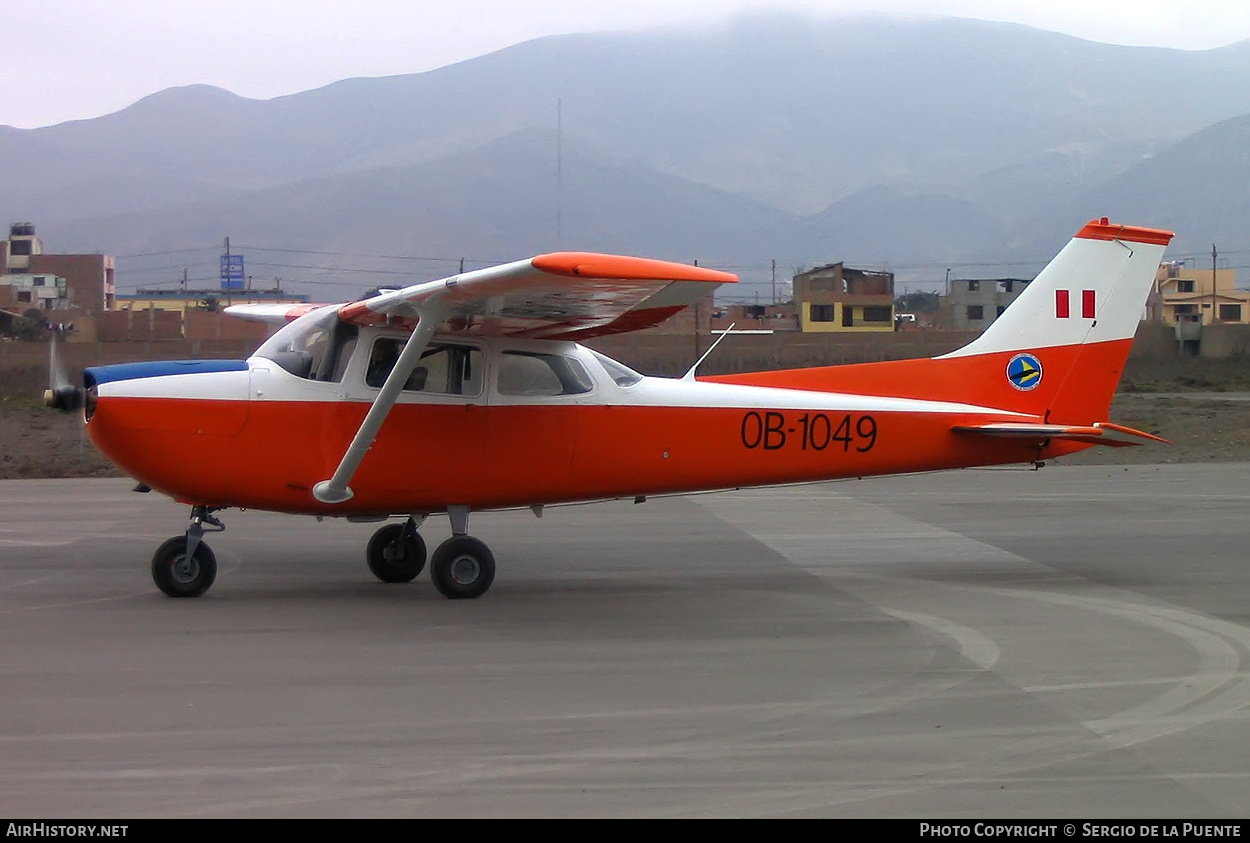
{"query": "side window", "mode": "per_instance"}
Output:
(382, 359)
(530, 373)
(619, 372)
(442, 370)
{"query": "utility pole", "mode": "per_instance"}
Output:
(559, 172)
(774, 281)
(1214, 254)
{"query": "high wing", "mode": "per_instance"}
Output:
(564, 295)
(560, 295)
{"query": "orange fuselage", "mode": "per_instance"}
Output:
(269, 454)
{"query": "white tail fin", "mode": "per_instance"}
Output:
(1093, 291)
(1064, 341)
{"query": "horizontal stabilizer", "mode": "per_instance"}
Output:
(1098, 433)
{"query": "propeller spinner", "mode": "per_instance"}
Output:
(60, 394)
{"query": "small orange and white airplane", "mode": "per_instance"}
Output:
(471, 393)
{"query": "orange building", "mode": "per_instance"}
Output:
(1197, 296)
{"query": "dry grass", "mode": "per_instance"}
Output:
(38, 442)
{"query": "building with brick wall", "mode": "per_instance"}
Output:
(838, 298)
(33, 278)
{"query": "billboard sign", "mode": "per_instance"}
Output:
(232, 277)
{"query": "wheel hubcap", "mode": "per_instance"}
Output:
(185, 569)
(465, 570)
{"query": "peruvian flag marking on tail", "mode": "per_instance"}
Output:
(1063, 308)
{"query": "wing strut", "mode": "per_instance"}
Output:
(336, 490)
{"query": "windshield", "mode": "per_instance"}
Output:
(311, 346)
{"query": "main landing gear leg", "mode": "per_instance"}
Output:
(462, 567)
(185, 566)
(396, 553)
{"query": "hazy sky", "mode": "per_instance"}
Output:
(69, 59)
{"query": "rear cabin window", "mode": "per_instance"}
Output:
(444, 368)
(621, 374)
(535, 374)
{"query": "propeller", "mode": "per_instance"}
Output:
(61, 394)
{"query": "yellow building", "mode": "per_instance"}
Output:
(839, 298)
(1206, 296)
(209, 300)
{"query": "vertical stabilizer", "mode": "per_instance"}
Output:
(1068, 334)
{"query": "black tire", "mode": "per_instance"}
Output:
(396, 554)
(178, 576)
(462, 568)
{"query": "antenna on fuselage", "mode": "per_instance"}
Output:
(689, 376)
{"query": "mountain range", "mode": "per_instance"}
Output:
(913, 145)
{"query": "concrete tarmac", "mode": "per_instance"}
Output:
(1067, 643)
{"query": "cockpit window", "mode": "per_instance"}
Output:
(533, 373)
(444, 368)
(316, 346)
(618, 372)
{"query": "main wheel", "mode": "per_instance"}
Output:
(180, 575)
(462, 567)
(396, 553)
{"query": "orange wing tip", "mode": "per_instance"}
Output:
(1104, 229)
(592, 265)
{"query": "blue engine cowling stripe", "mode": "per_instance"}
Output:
(158, 368)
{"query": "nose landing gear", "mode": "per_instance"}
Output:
(184, 566)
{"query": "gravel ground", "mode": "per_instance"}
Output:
(1199, 427)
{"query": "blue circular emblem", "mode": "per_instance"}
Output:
(1024, 371)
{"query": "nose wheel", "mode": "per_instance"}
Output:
(185, 566)
(181, 574)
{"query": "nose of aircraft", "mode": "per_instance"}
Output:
(145, 417)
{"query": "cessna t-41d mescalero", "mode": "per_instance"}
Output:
(471, 393)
